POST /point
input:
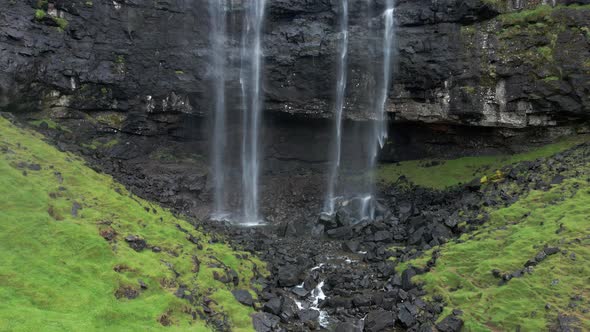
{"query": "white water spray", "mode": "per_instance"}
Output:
(379, 130)
(330, 203)
(217, 13)
(252, 100)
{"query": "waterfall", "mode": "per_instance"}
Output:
(379, 130)
(252, 99)
(217, 13)
(329, 205)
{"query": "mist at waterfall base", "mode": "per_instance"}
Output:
(362, 203)
(349, 169)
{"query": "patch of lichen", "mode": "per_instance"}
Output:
(111, 119)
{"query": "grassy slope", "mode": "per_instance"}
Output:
(463, 273)
(58, 275)
(452, 172)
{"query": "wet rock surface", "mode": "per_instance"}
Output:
(124, 65)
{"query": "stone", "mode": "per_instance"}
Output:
(362, 301)
(551, 251)
(34, 167)
(351, 246)
(450, 323)
(309, 317)
(349, 327)
(142, 284)
(382, 236)
(289, 275)
(75, 208)
(407, 314)
(378, 320)
(289, 310)
(264, 322)
(407, 278)
(273, 306)
(136, 243)
(243, 296)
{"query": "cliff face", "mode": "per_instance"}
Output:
(142, 66)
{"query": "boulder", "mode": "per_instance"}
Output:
(450, 323)
(264, 322)
(243, 296)
(378, 320)
(289, 275)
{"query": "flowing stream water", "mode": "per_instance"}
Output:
(252, 100)
(330, 201)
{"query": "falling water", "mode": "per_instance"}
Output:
(379, 131)
(329, 204)
(251, 82)
(388, 34)
(218, 37)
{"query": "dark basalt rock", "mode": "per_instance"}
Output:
(264, 322)
(379, 320)
(136, 243)
(243, 296)
(289, 275)
(273, 306)
(450, 323)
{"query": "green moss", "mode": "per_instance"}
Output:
(40, 14)
(462, 275)
(452, 172)
(525, 17)
(62, 23)
(120, 59)
(112, 119)
(551, 79)
(468, 89)
(58, 274)
(179, 72)
(50, 124)
(101, 144)
(546, 52)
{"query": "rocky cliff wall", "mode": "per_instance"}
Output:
(142, 66)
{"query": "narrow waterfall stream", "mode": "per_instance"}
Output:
(379, 130)
(217, 35)
(330, 202)
(252, 99)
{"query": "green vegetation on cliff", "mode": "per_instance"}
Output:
(67, 265)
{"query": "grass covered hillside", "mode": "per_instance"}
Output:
(80, 253)
(528, 267)
(441, 174)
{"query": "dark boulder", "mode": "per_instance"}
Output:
(273, 306)
(243, 296)
(450, 323)
(264, 322)
(379, 320)
(289, 275)
(136, 243)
